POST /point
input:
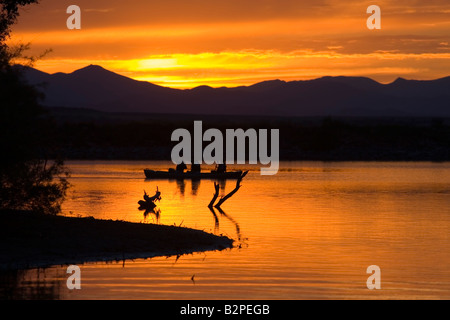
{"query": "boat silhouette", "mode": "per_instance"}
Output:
(178, 175)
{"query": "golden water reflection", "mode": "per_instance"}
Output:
(308, 232)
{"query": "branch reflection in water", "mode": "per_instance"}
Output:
(223, 214)
(221, 185)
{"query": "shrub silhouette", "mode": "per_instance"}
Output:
(28, 181)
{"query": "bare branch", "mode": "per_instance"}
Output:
(216, 194)
(238, 185)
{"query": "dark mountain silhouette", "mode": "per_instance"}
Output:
(96, 88)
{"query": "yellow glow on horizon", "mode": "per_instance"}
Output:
(154, 63)
(184, 45)
(252, 66)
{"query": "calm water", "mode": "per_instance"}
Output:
(309, 232)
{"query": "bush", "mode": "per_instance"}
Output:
(27, 180)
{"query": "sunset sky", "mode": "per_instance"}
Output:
(183, 44)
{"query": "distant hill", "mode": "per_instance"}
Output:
(94, 87)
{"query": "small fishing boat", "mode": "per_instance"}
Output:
(177, 175)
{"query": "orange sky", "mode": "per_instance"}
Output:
(179, 43)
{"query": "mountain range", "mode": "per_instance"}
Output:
(94, 87)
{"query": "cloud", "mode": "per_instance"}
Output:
(181, 43)
(105, 10)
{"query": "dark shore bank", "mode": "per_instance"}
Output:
(81, 134)
(32, 240)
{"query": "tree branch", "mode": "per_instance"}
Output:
(216, 194)
(238, 185)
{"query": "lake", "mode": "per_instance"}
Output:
(309, 232)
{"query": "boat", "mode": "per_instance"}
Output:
(176, 175)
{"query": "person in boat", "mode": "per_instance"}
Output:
(181, 167)
(221, 168)
(195, 168)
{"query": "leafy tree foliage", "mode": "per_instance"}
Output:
(28, 181)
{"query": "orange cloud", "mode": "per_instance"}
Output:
(183, 44)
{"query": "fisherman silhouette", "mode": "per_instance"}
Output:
(181, 167)
(221, 168)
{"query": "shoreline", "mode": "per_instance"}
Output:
(32, 240)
